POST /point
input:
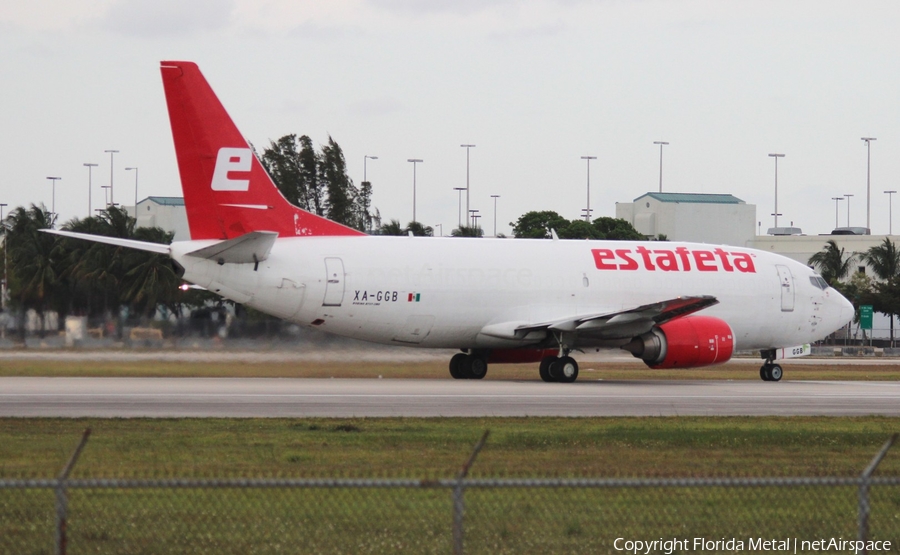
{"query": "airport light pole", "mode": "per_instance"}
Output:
(661, 144)
(135, 188)
(5, 263)
(836, 201)
(587, 215)
(90, 167)
(495, 197)
(111, 154)
(459, 206)
(890, 195)
(467, 147)
(53, 198)
(776, 214)
(848, 208)
(868, 141)
(414, 162)
(366, 158)
(472, 217)
(105, 196)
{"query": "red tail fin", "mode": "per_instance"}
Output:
(227, 192)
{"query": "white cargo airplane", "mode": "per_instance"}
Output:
(497, 300)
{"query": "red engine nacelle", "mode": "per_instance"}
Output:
(687, 342)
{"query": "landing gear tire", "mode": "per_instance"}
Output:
(545, 368)
(771, 372)
(456, 366)
(564, 370)
(474, 367)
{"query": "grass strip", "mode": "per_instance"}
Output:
(562, 520)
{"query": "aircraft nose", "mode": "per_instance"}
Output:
(847, 312)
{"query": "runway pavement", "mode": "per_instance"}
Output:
(274, 397)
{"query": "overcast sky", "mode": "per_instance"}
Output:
(534, 85)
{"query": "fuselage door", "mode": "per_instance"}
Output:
(787, 288)
(334, 284)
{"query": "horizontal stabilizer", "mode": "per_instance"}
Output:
(248, 248)
(158, 248)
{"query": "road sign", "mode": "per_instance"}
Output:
(865, 316)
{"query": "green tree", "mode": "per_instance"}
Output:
(34, 273)
(832, 263)
(420, 230)
(317, 181)
(578, 229)
(313, 189)
(342, 194)
(537, 225)
(884, 259)
(392, 228)
(616, 229)
(150, 279)
(282, 161)
(467, 231)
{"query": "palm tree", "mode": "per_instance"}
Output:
(150, 279)
(467, 231)
(420, 230)
(884, 259)
(35, 273)
(392, 228)
(831, 262)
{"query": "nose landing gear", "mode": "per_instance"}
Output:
(770, 371)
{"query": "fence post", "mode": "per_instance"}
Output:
(61, 500)
(863, 518)
(458, 505)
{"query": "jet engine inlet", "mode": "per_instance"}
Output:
(689, 342)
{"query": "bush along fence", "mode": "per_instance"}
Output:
(460, 514)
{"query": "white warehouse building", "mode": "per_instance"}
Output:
(698, 217)
(167, 213)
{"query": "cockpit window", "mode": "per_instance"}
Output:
(819, 282)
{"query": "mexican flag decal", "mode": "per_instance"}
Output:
(414, 297)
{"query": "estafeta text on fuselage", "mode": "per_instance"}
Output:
(678, 259)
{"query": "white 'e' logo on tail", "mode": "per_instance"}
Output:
(231, 160)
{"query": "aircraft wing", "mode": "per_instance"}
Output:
(158, 248)
(622, 324)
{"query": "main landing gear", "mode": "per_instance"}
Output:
(559, 369)
(468, 367)
(770, 371)
(474, 366)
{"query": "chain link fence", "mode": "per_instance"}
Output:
(456, 515)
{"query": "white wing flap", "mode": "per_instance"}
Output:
(621, 324)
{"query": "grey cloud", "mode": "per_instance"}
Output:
(456, 7)
(167, 18)
(375, 107)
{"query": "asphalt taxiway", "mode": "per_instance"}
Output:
(290, 397)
